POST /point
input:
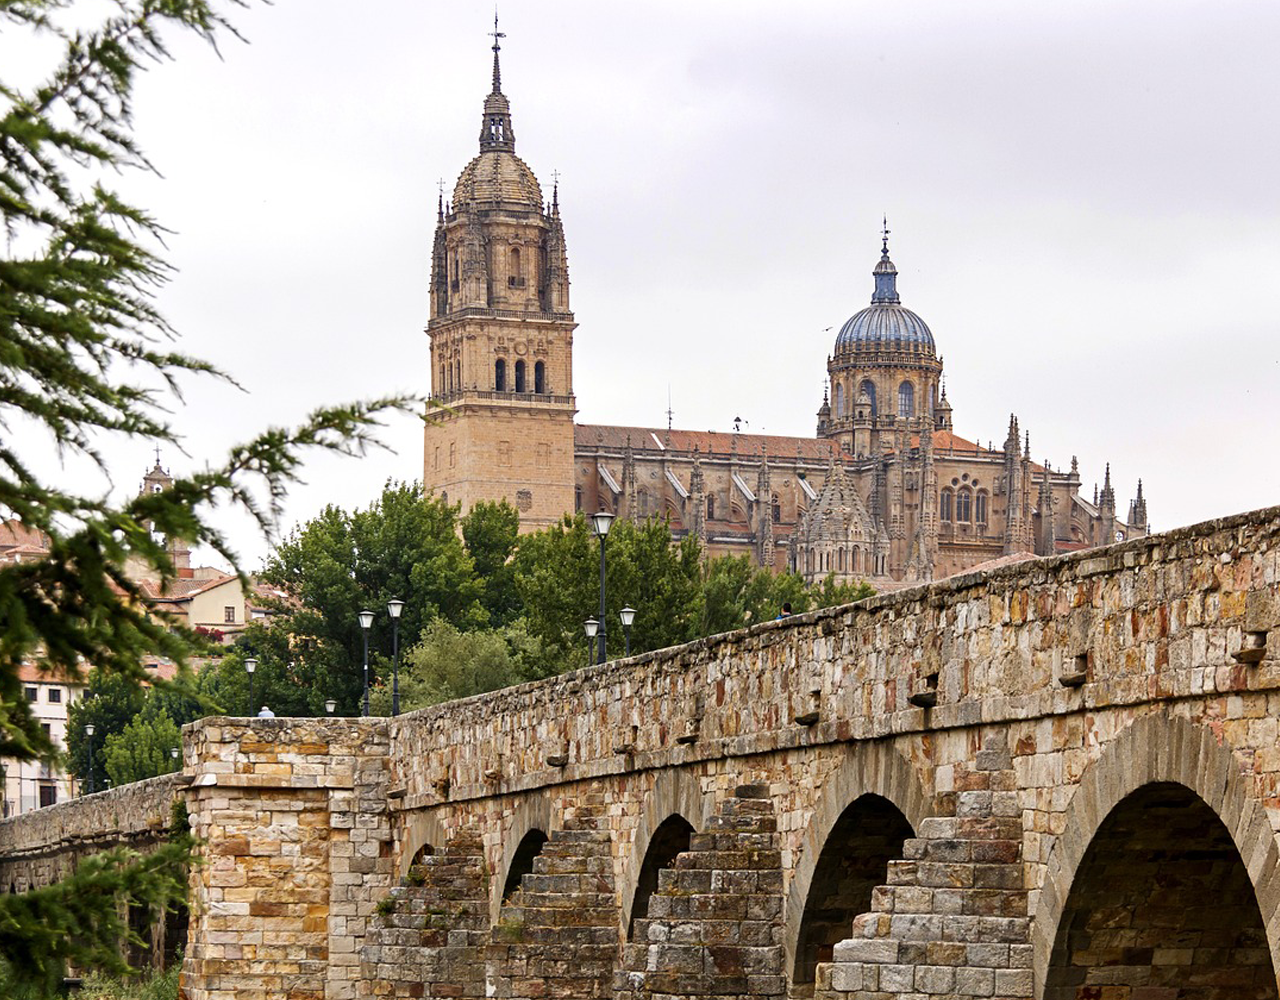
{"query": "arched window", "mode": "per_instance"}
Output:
(500, 376)
(964, 504)
(855, 561)
(519, 376)
(980, 507)
(539, 377)
(515, 263)
(869, 388)
(444, 381)
(644, 502)
(839, 400)
(944, 506)
(457, 375)
(711, 508)
(777, 510)
(906, 400)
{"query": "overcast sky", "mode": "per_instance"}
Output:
(1083, 200)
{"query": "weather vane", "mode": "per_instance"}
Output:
(495, 33)
(884, 247)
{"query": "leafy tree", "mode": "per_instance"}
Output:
(830, 594)
(110, 703)
(286, 679)
(557, 575)
(84, 357)
(404, 545)
(449, 664)
(490, 530)
(43, 929)
(143, 748)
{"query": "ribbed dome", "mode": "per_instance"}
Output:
(886, 321)
(498, 176)
(888, 324)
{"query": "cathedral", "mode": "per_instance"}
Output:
(885, 491)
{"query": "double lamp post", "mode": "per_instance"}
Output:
(394, 607)
(596, 628)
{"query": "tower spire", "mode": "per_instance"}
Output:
(497, 47)
(495, 131)
(885, 274)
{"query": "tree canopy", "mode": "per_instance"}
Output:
(86, 356)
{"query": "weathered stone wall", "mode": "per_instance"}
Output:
(40, 847)
(1005, 717)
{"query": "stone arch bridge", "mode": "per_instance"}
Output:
(1054, 780)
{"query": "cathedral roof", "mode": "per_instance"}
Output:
(497, 175)
(886, 322)
(655, 439)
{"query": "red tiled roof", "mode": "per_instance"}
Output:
(16, 535)
(706, 442)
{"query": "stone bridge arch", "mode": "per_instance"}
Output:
(674, 792)
(864, 769)
(1155, 749)
(422, 829)
(532, 812)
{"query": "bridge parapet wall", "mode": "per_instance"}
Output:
(40, 847)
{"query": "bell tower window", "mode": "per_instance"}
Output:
(499, 376)
(539, 377)
(839, 400)
(520, 376)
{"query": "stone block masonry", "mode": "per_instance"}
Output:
(995, 742)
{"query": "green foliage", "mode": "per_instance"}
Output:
(490, 531)
(448, 664)
(142, 749)
(557, 575)
(84, 356)
(109, 704)
(79, 919)
(404, 545)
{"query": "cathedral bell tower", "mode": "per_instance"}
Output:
(500, 421)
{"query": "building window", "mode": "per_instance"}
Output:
(869, 388)
(544, 454)
(577, 498)
(504, 452)
(48, 795)
(539, 377)
(55, 696)
(436, 460)
(457, 365)
(711, 508)
(520, 376)
(777, 511)
(944, 506)
(839, 400)
(644, 502)
(453, 454)
(906, 400)
(228, 615)
(981, 507)
(32, 693)
(499, 376)
(964, 502)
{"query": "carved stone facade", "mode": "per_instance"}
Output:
(885, 491)
(1056, 779)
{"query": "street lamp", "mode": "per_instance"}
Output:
(173, 753)
(591, 627)
(366, 622)
(628, 615)
(330, 704)
(88, 731)
(250, 665)
(600, 522)
(394, 607)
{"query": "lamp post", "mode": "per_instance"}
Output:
(330, 704)
(88, 731)
(600, 522)
(591, 627)
(394, 607)
(250, 665)
(173, 754)
(628, 615)
(366, 622)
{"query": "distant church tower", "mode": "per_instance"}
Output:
(500, 423)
